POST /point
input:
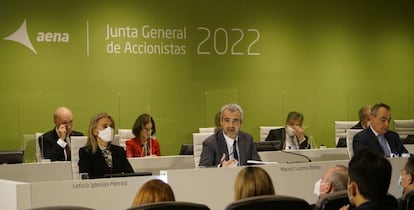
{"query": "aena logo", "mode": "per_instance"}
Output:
(21, 36)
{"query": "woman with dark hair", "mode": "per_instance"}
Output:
(143, 144)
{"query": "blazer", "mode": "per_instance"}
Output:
(95, 164)
(49, 147)
(280, 134)
(371, 205)
(215, 145)
(357, 126)
(367, 139)
(134, 148)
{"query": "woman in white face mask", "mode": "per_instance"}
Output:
(99, 157)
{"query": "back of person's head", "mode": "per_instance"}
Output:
(407, 182)
(153, 191)
(363, 110)
(409, 166)
(338, 178)
(140, 123)
(252, 181)
(372, 174)
(295, 116)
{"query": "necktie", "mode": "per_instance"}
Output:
(383, 144)
(67, 149)
(236, 156)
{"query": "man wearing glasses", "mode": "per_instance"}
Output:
(55, 144)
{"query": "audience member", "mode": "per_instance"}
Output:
(363, 115)
(99, 156)
(406, 180)
(292, 135)
(143, 144)
(334, 179)
(153, 191)
(377, 137)
(368, 182)
(55, 144)
(229, 146)
(252, 181)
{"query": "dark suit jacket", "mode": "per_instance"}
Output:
(215, 145)
(370, 205)
(49, 147)
(95, 164)
(357, 126)
(367, 139)
(280, 134)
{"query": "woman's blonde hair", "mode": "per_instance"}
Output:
(252, 181)
(153, 191)
(92, 143)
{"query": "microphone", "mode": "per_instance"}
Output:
(283, 150)
(306, 157)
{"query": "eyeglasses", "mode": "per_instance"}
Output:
(147, 129)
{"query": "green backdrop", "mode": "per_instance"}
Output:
(323, 58)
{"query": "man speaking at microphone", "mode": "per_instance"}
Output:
(55, 144)
(229, 147)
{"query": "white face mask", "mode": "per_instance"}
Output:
(106, 134)
(316, 189)
(290, 131)
(399, 186)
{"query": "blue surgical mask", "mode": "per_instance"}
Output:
(399, 186)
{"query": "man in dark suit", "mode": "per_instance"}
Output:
(369, 177)
(363, 115)
(229, 146)
(55, 144)
(292, 135)
(377, 137)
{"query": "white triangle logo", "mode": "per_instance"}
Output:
(22, 37)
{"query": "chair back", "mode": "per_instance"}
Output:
(350, 133)
(62, 208)
(76, 142)
(198, 139)
(124, 135)
(407, 201)
(332, 201)
(341, 128)
(269, 202)
(206, 130)
(39, 153)
(404, 128)
(264, 131)
(171, 205)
